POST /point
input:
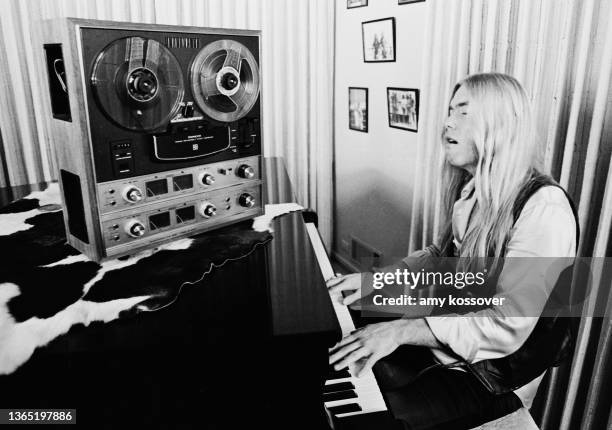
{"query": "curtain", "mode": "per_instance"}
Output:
(296, 65)
(561, 50)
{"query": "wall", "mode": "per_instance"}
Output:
(374, 170)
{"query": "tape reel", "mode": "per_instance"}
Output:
(225, 80)
(138, 83)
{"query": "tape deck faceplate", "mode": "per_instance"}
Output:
(152, 117)
(148, 85)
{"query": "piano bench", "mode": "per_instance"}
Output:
(519, 419)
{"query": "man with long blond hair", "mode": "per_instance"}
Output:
(501, 209)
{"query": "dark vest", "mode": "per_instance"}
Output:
(552, 339)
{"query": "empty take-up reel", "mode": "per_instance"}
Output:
(225, 80)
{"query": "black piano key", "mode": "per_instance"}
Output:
(339, 395)
(340, 386)
(344, 409)
(338, 374)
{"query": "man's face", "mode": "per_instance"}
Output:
(458, 142)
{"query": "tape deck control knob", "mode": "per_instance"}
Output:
(246, 200)
(245, 171)
(135, 228)
(132, 194)
(207, 179)
(207, 209)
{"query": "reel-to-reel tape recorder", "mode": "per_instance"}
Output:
(156, 130)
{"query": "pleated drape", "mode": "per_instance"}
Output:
(561, 50)
(296, 65)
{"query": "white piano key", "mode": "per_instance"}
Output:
(336, 381)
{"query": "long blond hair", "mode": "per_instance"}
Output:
(508, 154)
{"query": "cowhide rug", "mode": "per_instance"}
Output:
(46, 286)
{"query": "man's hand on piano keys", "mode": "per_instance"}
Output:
(352, 282)
(364, 347)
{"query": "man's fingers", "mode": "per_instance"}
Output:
(348, 300)
(351, 358)
(342, 352)
(342, 286)
(354, 367)
(367, 366)
(335, 281)
(345, 341)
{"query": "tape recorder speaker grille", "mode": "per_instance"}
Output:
(138, 83)
(225, 80)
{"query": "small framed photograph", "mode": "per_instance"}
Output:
(358, 109)
(409, 1)
(350, 4)
(378, 40)
(403, 105)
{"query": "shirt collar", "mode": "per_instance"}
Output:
(468, 189)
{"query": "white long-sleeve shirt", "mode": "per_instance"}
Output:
(545, 228)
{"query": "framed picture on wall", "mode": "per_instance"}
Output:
(403, 105)
(358, 109)
(378, 40)
(408, 1)
(350, 4)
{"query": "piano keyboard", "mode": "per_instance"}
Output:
(343, 394)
